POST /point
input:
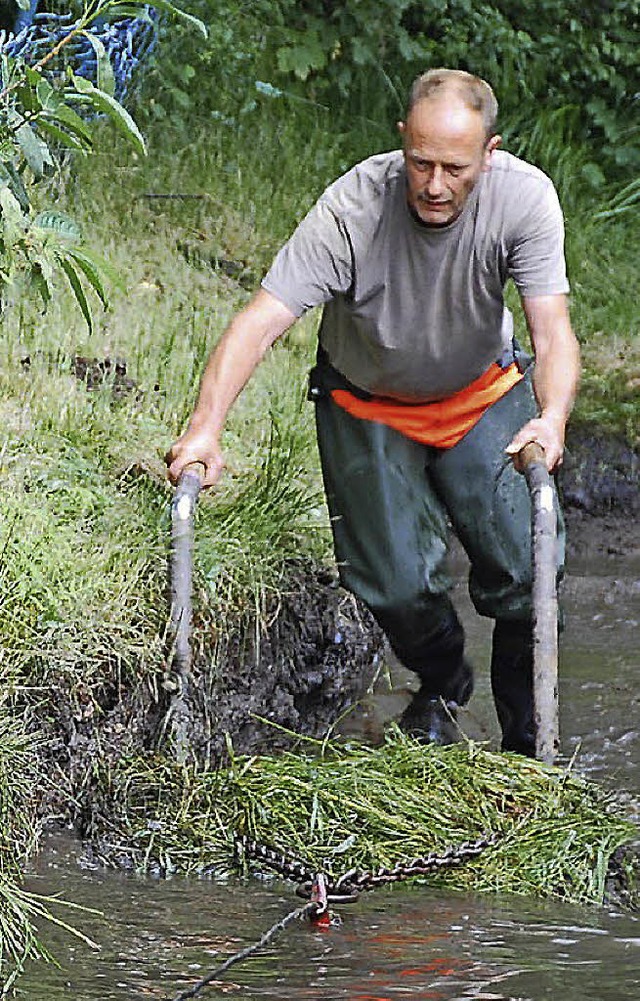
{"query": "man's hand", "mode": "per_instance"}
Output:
(195, 446)
(548, 432)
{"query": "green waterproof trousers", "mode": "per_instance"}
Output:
(392, 502)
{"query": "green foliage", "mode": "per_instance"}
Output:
(21, 913)
(358, 58)
(621, 202)
(552, 53)
(34, 249)
(18, 835)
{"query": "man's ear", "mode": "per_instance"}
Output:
(402, 128)
(489, 149)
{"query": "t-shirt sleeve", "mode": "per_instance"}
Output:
(315, 264)
(536, 260)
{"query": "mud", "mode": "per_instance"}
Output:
(599, 484)
(317, 655)
(294, 672)
(600, 474)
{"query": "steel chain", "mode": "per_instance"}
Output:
(290, 868)
(347, 887)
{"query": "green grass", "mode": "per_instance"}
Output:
(341, 807)
(22, 914)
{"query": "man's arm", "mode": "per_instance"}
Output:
(556, 375)
(231, 364)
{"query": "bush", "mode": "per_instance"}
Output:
(359, 57)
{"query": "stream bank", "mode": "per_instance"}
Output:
(296, 668)
(313, 652)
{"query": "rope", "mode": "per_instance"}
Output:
(323, 889)
(128, 42)
(279, 926)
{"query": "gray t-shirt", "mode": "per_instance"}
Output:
(415, 312)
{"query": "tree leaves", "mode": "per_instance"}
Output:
(101, 101)
(91, 271)
(105, 77)
(181, 15)
(622, 202)
(36, 111)
(52, 222)
(34, 150)
(76, 288)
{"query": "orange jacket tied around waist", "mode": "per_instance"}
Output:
(442, 423)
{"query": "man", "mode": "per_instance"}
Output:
(421, 402)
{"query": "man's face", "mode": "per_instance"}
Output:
(445, 151)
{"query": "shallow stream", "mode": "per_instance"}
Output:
(157, 937)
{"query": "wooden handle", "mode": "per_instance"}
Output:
(196, 468)
(532, 452)
(531, 459)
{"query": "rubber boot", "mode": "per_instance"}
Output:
(430, 721)
(512, 685)
(446, 684)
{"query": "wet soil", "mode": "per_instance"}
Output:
(599, 484)
(294, 671)
(317, 653)
(600, 474)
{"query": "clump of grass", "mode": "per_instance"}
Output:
(18, 837)
(21, 912)
(337, 807)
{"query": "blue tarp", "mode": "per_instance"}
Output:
(128, 42)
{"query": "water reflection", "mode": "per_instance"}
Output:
(159, 937)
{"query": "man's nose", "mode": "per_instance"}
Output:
(435, 182)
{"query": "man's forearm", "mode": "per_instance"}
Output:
(228, 370)
(241, 349)
(556, 378)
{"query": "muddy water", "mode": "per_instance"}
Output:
(158, 937)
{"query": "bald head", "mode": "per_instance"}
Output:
(457, 86)
(447, 144)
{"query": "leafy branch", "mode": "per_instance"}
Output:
(40, 113)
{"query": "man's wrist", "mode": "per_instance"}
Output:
(553, 416)
(204, 422)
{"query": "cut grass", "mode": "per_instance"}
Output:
(337, 807)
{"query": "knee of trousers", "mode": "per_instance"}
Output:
(505, 596)
(506, 593)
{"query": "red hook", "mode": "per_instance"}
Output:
(320, 916)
